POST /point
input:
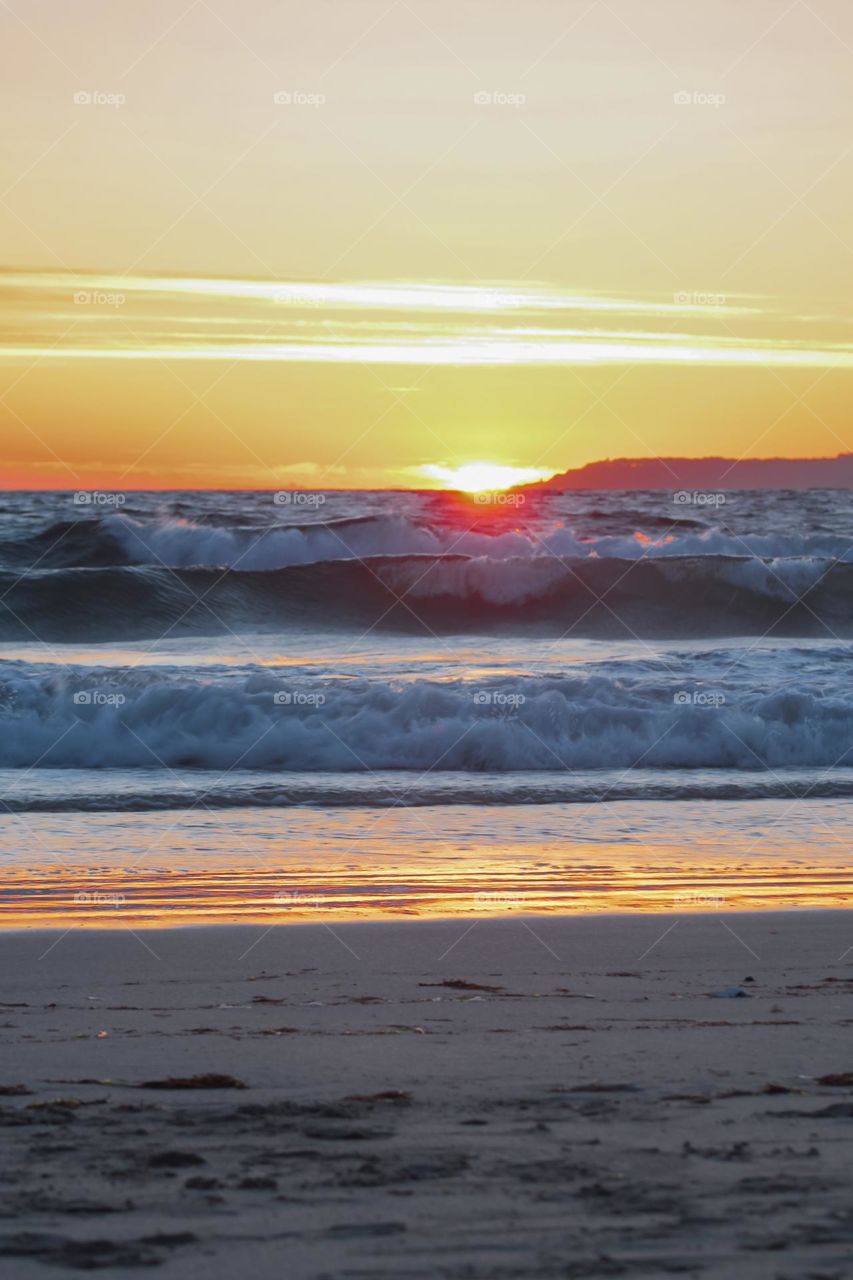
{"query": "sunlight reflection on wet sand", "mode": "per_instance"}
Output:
(312, 865)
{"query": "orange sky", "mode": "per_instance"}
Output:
(356, 243)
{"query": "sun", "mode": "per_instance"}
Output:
(482, 477)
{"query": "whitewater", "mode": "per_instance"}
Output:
(252, 706)
(569, 645)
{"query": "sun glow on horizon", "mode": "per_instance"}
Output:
(480, 477)
(112, 341)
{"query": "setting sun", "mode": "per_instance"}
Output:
(478, 477)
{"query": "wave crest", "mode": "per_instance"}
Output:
(146, 718)
(179, 543)
(670, 597)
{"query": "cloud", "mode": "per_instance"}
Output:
(86, 317)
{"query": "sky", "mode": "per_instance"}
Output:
(365, 243)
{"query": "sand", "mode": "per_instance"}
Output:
(563, 1097)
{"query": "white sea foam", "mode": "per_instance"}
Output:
(258, 720)
(183, 544)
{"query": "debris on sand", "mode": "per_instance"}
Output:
(210, 1080)
(387, 1095)
(597, 1086)
(174, 1160)
(462, 984)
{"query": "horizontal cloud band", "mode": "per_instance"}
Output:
(88, 317)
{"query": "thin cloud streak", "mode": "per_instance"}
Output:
(88, 317)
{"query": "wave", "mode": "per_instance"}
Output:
(143, 718)
(120, 540)
(668, 597)
(465, 790)
(173, 542)
(621, 518)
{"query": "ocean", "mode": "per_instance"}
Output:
(336, 705)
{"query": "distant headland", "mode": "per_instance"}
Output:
(705, 473)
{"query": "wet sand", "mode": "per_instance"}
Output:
(578, 1097)
(327, 865)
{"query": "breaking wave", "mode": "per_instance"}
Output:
(148, 718)
(121, 540)
(669, 596)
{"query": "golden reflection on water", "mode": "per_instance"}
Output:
(385, 881)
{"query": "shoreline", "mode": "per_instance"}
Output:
(333, 866)
(402, 921)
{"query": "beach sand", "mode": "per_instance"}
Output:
(561, 1097)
